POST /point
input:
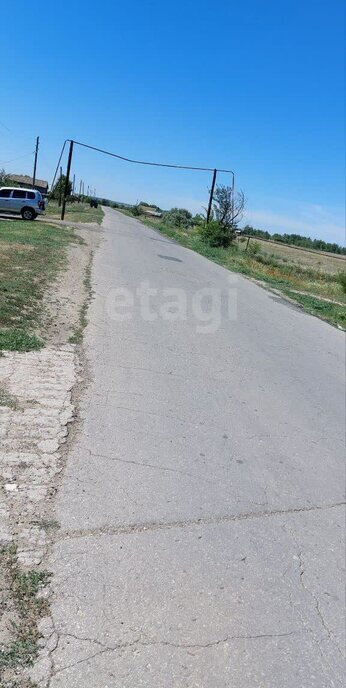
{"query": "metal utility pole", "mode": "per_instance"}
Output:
(67, 180)
(88, 191)
(211, 195)
(60, 185)
(35, 163)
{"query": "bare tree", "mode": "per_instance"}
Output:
(228, 207)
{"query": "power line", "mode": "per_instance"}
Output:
(5, 127)
(5, 162)
(154, 164)
(57, 167)
(72, 142)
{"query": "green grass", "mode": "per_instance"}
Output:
(333, 313)
(76, 212)
(23, 588)
(285, 276)
(31, 253)
(19, 340)
(342, 281)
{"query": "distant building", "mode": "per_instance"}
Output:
(148, 210)
(25, 181)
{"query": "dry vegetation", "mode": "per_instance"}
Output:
(326, 262)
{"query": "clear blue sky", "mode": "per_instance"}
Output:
(254, 86)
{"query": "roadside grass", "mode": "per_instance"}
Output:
(22, 594)
(31, 253)
(77, 336)
(322, 292)
(75, 212)
(334, 314)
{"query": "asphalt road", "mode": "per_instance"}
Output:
(201, 541)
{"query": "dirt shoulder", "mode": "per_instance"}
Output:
(64, 300)
(37, 407)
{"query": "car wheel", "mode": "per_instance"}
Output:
(28, 214)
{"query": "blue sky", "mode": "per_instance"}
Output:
(252, 86)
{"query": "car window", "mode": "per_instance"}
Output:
(30, 194)
(19, 193)
(5, 193)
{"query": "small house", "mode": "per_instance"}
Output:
(26, 182)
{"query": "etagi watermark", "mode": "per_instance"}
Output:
(206, 307)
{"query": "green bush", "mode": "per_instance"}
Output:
(217, 235)
(135, 211)
(342, 280)
(178, 217)
(59, 188)
(254, 248)
(198, 219)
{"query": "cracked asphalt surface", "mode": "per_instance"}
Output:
(202, 520)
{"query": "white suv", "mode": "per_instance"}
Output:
(24, 201)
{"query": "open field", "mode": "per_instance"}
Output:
(76, 212)
(317, 290)
(326, 262)
(31, 254)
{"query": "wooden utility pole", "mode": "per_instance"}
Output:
(35, 162)
(211, 195)
(67, 180)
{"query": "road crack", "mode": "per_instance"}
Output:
(212, 520)
(163, 643)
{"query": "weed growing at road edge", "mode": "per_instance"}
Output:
(77, 336)
(47, 525)
(7, 399)
(23, 587)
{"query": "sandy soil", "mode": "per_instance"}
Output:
(68, 292)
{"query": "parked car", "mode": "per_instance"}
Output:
(28, 203)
